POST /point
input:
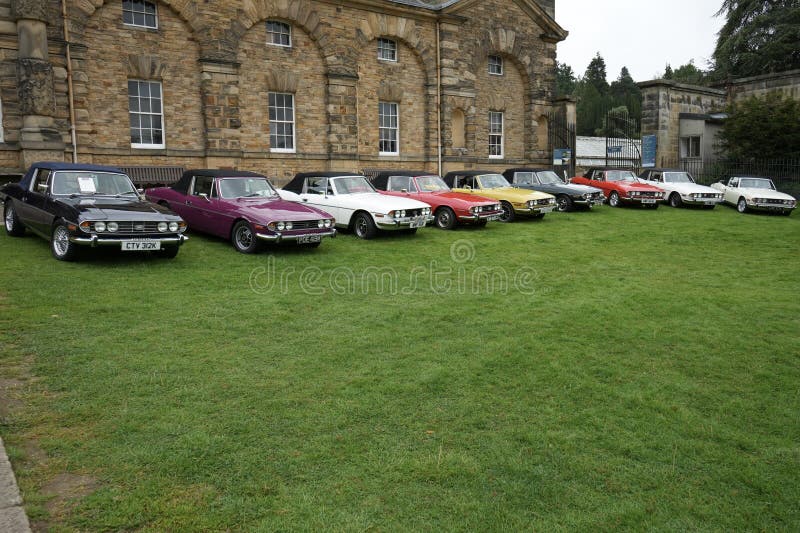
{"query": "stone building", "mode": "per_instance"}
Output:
(686, 118)
(277, 86)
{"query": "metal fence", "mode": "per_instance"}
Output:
(785, 173)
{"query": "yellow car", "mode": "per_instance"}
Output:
(515, 201)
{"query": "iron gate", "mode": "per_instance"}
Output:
(561, 136)
(623, 140)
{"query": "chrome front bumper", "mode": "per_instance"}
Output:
(492, 215)
(279, 237)
(401, 223)
(94, 241)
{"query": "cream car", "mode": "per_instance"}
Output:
(355, 204)
(753, 193)
(680, 188)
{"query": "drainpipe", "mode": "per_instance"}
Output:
(439, 96)
(70, 92)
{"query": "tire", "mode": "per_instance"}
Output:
(613, 199)
(13, 225)
(675, 200)
(564, 203)
(741, 205)
(364, 226)
(62, 248)
(508, 214)
(445, 218)
(244, 238)
(169, 252)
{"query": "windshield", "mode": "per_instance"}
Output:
(94, 183)
(549, 177)
(620, 175)
(352, 185)
(431, 184)
(493, 181)
(756, 183)
(245, 188)
(677, 177)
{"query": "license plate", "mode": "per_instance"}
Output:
(417, 222)
(307, 239)
(648, 201)
(493, 217)
(546, 209)
(140, 246)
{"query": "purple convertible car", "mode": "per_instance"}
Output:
(243, 207)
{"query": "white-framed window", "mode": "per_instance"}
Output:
(388, 128)
(146, 114)
(387, 50)
(279, 33)
(496, 65)
(281, 122)
(139, 13)
(496, 134)
(690, 147)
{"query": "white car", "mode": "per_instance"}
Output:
(680, 188)
(355, 204)
(760, 194)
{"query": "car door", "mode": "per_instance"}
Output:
(598, 179)
(318, 191)
(732, 191)
(196, 206)
(33, 210)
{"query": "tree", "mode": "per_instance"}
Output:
(625, 92)
(762, 128)
(668, 73)
(690, 74)
(596, 74)
(566, 82)
(758, 37)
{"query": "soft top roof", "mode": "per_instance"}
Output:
(659, 169)
(183, 184)
(381, 179)
(25, 182)
(450, 177)
(296, 185)
(509, 173)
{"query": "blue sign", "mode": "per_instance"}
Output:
(649, 145)
(614, 150)
(562, 156)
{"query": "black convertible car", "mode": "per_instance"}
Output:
(568, 195)
(75, 205)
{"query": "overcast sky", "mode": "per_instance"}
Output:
(643, 35)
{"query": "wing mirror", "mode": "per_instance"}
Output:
(204, 196)
(404, 191)
(41, 187)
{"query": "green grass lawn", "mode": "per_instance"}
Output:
(635, 370)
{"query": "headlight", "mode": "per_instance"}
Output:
(329, 223)
(498, 207)
(531, 203)
(320, 223)
(162, 227)
(288, 225)
(281, 226)
(173, 226)
(181, 226)
(112, 227)
(99, 227)
(427, 210)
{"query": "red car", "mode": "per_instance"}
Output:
(449, 208)
(621, 186)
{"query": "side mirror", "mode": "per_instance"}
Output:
(41, 187)
(404, 191)
(140, 191)
(204, 196)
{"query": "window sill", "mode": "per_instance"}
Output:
(148, 146)
(282, 151)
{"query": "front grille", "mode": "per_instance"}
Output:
(137, 227)
(413, 212)
(646, 194)
(305, 224)
(773, 201)
(543, 201)
(705, 195)
(486, 208)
